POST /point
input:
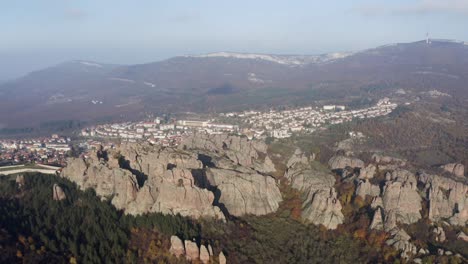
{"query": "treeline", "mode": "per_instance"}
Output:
(81, 227)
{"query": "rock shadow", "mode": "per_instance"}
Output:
(140, 176)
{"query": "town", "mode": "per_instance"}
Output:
(252, 124)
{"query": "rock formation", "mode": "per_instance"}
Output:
(177, 246)
(168, 188)
(204, 255)
(401, 241)
(462, 236)
(240, 150)
(320, 204)
(341, 162)
(58, 193)
(377, 220)
(455, 168)
(367, 172)
(403, 200)
(20, 180)
(439, 234)
(245, 192)
(222, 258)
(447, 199)
(364, 188)
(192, 252)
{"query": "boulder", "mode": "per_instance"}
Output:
(192, 252)
(245, 192)
(58, 193)
(222, 258)
(462, 236)
(341, 162)
(455, 169)
(177, 246)
(204, 254)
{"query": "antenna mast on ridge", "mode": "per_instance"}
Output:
(428, 40)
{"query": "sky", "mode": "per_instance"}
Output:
(40, 33)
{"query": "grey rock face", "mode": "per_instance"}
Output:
(367, 172)
(238, 149)
(403, 200)
(366, 188)
(377, 220)
(58, 193)
(447, 199)
(320, 204)
(401, 241)
(169, 187)
(341, 162)
(107, 182)
(245, 192)
(455, 168)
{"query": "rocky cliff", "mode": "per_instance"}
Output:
(320, 204)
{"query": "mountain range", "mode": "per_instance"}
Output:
(90, 91)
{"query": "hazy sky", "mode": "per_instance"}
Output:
(39, 33)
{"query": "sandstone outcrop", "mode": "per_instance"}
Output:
(240, 150)
(455, 169)
(204, 255)
(320, 204)
(115, 183)
(377, 220)
(364, 188)
(367, 172)
(439, 234)
(192, 252)
(401, 198)
(20, 181)
(341, 162)
(222, 258)
(401, 241)
(177, 246)
(245, 192)
(57, 193)
(462, 236)
(165, 174)
(447, 199)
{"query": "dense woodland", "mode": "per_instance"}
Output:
(84, 229)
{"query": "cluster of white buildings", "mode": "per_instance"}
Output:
(155, 131)
(281, 124)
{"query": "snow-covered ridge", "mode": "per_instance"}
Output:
(292, 60)
(88, 63)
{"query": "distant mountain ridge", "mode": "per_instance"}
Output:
(226, 81)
